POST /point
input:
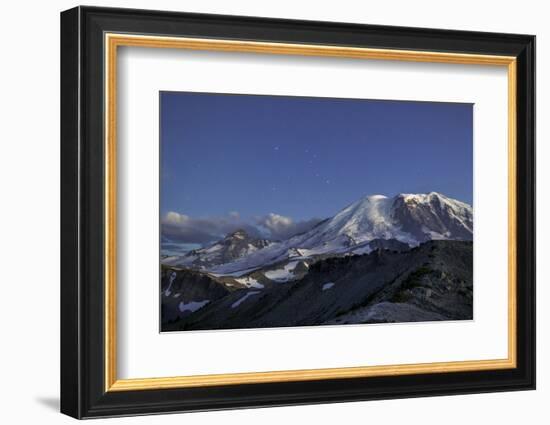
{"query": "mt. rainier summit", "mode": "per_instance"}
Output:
(376, 221)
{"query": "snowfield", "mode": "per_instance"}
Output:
(282, 275)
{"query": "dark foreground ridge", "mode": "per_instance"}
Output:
(431, 282)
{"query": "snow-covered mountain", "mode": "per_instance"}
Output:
(411, 219)
(234, 246)
(370, 223)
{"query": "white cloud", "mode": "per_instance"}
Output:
(183, 229)
(282, 227)
(275, 222)
(173, 217)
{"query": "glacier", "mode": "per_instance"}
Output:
(359, 228)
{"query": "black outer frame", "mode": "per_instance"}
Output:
(82, 219)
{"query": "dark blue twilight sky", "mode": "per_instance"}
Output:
(228, 156)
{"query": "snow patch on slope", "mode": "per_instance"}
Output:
(244, 298)
(282, 275)
(250, 282)
(327, 285)
(192, 306)
(168, 290)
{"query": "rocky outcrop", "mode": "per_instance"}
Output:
(183, 292)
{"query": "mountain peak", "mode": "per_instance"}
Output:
(375, 197)
(237, 234)
(416, 195)
(426, 198)
(406, 218)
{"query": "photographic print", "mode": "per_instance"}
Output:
(280, 211)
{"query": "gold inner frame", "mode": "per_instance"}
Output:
(113, 41)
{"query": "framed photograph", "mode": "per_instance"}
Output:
(261, 212)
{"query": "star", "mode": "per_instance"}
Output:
(276, 148)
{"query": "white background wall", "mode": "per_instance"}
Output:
(29, 213)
